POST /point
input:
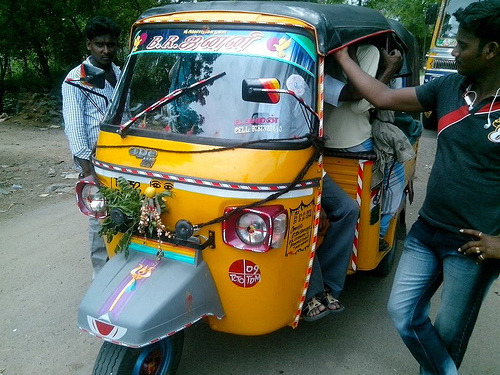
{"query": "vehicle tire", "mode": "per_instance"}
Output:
(160, 358)
(385, 266)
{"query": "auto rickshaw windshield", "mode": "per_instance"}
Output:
(163, 60)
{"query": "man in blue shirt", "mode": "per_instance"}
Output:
(83, 111)
(461, 210)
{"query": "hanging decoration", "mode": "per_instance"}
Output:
(129, 210)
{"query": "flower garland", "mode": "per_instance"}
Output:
(129, 210)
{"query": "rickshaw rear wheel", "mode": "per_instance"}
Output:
(160, 358)
(385, 266)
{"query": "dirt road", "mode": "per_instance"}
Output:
(45, 272)
(35, 166)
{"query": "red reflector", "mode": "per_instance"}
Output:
(104, 328)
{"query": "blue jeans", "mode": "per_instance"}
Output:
(393, 186)
(333, 255)
(431, 258)
(98, 253)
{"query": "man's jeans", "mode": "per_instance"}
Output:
(98, 253)
(431, 258)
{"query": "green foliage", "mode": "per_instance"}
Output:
(411, 13)
(46, 36)
(40, 41)
(129, 201)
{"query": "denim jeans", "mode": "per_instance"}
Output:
(98, 253)
(431, 258)
(393, 186)
(333, 255)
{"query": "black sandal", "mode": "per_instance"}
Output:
(314, 303)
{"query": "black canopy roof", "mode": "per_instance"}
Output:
(336, 25)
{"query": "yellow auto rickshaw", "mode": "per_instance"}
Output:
(208, 174)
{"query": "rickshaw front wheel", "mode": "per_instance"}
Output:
(160, 358)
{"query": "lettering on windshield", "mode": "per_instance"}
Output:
(214, 43)
(288, 47)
(257, 125)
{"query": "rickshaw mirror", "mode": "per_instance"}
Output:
(261, 90)
(92, 76)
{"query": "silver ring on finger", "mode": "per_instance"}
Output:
(480, 234)
(481, 256)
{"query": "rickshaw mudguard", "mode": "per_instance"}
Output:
(135, 301)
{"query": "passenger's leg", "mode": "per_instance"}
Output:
(315, 281)
(392, 194)
(314, 290)
(335, 251)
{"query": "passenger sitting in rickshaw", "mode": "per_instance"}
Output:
(358, 127)
(332, 257)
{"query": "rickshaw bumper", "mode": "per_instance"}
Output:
(135, 301)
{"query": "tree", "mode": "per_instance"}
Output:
(41, 40)
(411, 13)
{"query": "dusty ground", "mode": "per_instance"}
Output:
(35, 165)
(46, 273)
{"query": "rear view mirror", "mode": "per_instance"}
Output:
(261, 90)
(92, 76)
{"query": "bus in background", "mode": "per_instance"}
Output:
(439, 60)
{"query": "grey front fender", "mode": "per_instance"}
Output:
(136, 301)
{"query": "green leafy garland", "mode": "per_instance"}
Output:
(129, 201)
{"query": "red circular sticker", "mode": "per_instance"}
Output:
(244, 273)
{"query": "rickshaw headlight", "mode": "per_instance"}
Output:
(255, 229)
(89, 200)
(252, 229)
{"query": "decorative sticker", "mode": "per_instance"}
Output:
(279, 45)
(446, 42)
(296, 49)
(120, 297)
(301, 226)
(244, 273)
(297, 84)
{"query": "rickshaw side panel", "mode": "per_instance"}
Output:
(354, 176)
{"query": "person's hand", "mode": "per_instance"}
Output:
(341, 55)
(486, 247)
(392, 61)
(352, 51)
(323, 221)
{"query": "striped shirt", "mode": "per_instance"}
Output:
(81, 118)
